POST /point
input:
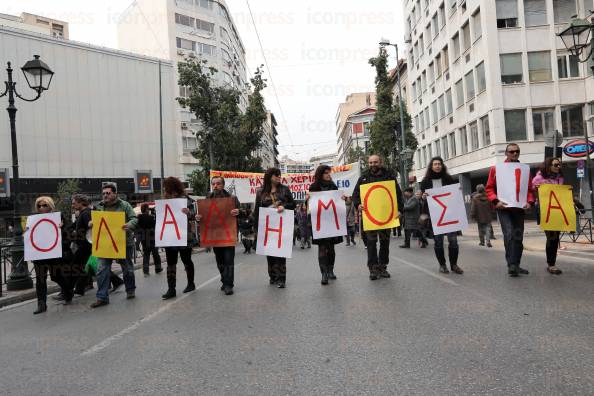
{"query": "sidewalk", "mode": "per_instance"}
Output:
(14, 297)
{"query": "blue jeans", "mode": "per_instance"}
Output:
(104, 269)
(512, 226)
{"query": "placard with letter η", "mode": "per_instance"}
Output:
(275, 232)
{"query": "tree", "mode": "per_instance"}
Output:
(355, 154)
(386, 124)
(199, 182)
(66, 190)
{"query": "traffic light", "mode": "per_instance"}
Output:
(4, 183)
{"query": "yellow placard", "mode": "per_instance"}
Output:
(557, 212)
(109, 238)
(381, 205)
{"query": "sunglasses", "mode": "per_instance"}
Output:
(556, 165)
(514, 151)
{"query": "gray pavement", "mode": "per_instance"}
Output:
(419, 332)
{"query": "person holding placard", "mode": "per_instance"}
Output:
(437, 176)
(273, 194)
(326, 253)
(173, 188)
(53, 266)
(511, 214)
(550, 173)
(112, 203)
(376, 172)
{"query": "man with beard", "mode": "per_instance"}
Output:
(225, 256)
(376, 173)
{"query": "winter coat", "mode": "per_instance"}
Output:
(130, 217)
(283, 197)
(351, 215)
(315, 187)
(412, 212)
(540, 179)
(481, 209)
(303, 223)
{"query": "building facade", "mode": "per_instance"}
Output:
(482, 73)
(288, 165)
(90, 125)
(353, 119)
(37, 24)
(324, 159)
(176, 30)
(268, 152)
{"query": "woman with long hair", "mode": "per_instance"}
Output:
(550, 173)
(273, 194)
(326, 254)
(174, 188)
(437, 176)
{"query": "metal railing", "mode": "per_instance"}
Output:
(583, 230)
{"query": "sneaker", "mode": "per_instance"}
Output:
(99, 303)
(523, 271)
(170, 294)
(281, 285)
(189, 288)
(443, 269)
(228, 290)
(158, 270)
(457, 269)
(373, 276)
(384, 273)
(130, 295)
(513, 271)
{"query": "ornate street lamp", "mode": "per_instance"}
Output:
(577, 37)
(39, 77)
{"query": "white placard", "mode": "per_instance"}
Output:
(512, 183)
(43, 237)
(446, 207)
(328, 214)
(172, 223)
(275, 233)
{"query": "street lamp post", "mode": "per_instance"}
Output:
(403, 169)
(577, 37)
(39, 77)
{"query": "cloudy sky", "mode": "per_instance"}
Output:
(317, 52)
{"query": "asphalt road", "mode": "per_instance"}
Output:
(419, 332)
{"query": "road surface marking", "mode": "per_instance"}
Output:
(426, 271)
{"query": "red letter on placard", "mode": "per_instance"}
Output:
(321, 206)
(368, 212)
(558, 207)
(172, 221)
(440, 222)
(213, 206)
(518, 177)
(279, 230)
(44, 250)
(113, 242)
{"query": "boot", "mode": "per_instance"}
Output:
(331, 275)
(170, 294)
(41, 307)
(453, 255)
(323, 261)
(383, 271)
(373, 272)
(171, 283)
(440, 254)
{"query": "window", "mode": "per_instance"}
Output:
(453, 6)
(474, 140)
(184, 92)
(185, 44)
(459, 93)
(434, 111)
(444, 147)
(572, 120)
(469, 81)
(452, 140)
(446, 58)
(539, 66)
(449, 107)
(423, 81)
(435, 25)
(438, 66)
(486, 131)
(466, 36)
(427, 118)
(419, 90)
(481, 82)
(206, 49)
(204, 3)
(428, 35)
(543, 121)
(414, 89)
(441, 103)
(442, 16)
(515, 125)
(568, 66)
(564, 10)
(456, 46)
(421, 121)
(463, 140)
(535, 12)
(511, 68)
(417, 127)
(184, 20)
(477, 27)
(205, 26)
(437, 148)
(507, 13)
(190, 144)
(430, 74)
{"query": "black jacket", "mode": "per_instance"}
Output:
(320, 187)
(284, 198)
(427, 184)
(368, 177)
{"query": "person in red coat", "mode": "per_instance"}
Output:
(511, 219)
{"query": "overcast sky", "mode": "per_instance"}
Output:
(317, 52)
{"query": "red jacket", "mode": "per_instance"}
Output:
(491, 187)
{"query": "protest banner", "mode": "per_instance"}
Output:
(328, 214)
(43, 236)
(109, 236)
(512, 183)
(218, 227)
(381, 205)
(172, 224)
(557, 212)
(245, 184)
(447, 210)
(275, 232)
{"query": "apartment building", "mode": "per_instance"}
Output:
(177, 29)
(483, 73)
(36, 23)
(353, 120)
(268, 152)
(288, 165)
(323, 159)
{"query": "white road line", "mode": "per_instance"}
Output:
(426, 271)
(110, 340)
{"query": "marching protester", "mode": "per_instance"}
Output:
(411, 216)
(326, 254)
(351, 221)
(53, 266)
(111, 203)
(173, 188)
(246, 228)
(82, 206)
(304, 223)
(146, 228)
(224, 255)
(482, 212)
(425, 229)
(437, 176)
(376, 173)
(273, 194)
(549, 173)
(511, 219)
